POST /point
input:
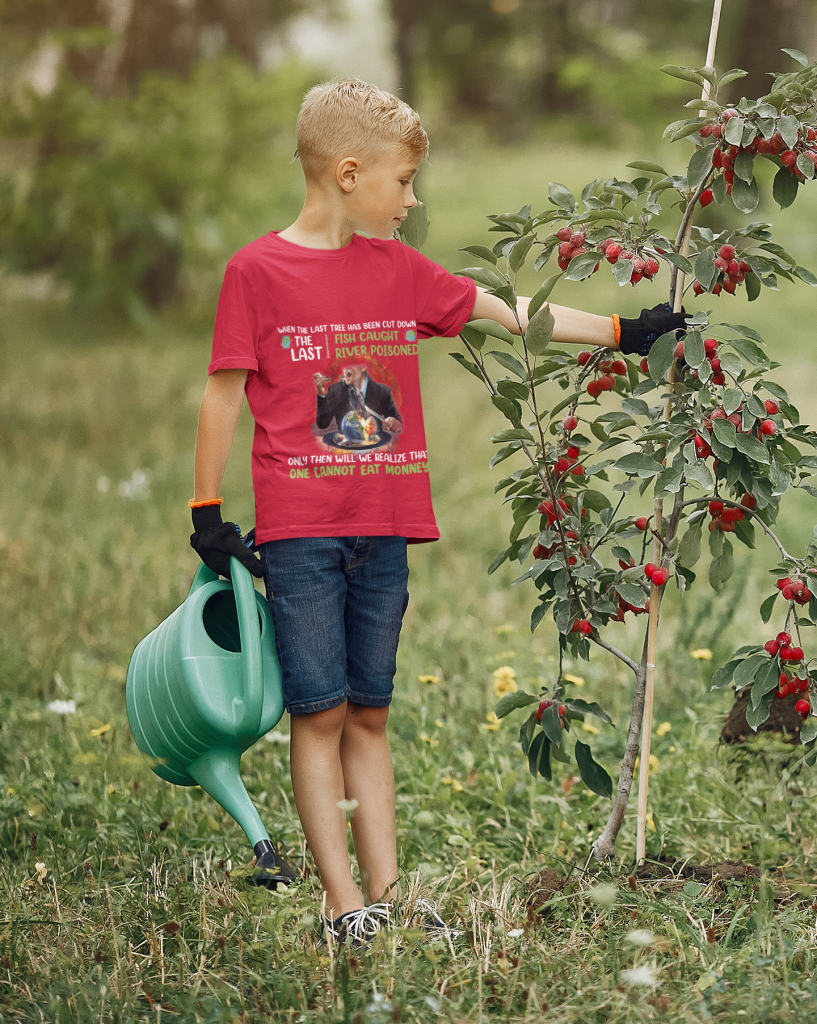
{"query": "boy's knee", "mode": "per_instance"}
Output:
(321, 723)
(373, 720)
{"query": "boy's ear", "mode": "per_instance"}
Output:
(346, 173)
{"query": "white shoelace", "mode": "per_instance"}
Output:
(362, 925)
(427, 909)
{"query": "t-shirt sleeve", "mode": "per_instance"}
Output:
(443, 301)
(236, 331)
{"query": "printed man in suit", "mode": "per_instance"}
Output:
(357, 392)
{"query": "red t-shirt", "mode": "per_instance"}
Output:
(351, 462)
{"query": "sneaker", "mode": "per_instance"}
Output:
(422, 913)
(359, 927)
(269, 869)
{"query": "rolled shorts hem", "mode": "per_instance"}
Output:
(364, 699)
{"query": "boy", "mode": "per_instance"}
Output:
(318, 307)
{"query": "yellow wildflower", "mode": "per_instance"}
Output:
(655, 764)
(428, 679)
(455, 784)
(101, 730)
(663, 729)
(504, 629)
(428, 739)
(650, 823)
(438, 723)
(576, 680)
(590, 728)
(491, 723)
(505, 680)
(672, 750)
(701, 654)
(111, 788)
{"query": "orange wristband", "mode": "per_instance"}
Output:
(616, 328)
(205, 503)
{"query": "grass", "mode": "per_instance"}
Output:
(100, 861)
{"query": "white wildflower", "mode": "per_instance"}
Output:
(641, 975)
(63, 707)
(640, 937)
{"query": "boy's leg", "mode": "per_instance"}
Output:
(318, 785)
(369, 778)
(306, 590)
(376, 601)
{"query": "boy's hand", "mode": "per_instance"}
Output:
(392, 424)
(320, 383)
(214, 542)
(637, 336)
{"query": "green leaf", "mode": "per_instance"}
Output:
(584, 707)
(744, 164)
(488, 277)
(539, 331)
(632, 594)
(681, 262)
(689, 550)
(482, 251)
(661, 356)
(808, 730)
(668, 482)
(511, 701)
(694, 352)
(751, 447)
(699, 165)
(539, 756)
(731, 76)
(508, 407)
(748, 669)
(755, 717)
(722, 567)
(789, 128)
(414, 229)
(745, 195)
(500, 558)
(723, 677)
(504, 453)
(561, 196)
(581, 267)
(705, 269)
(526, 732)
(639, 463)
(623, 271)
(596, 501)
(510, 363)
(725, 432)
(768, 606)
(552, 723)
(806, 275)
(784, 188)
(513, 389)
(593, 775)
(519, 253)
(685, 74)
(543, 294)
(469, 366)
(476, 339)
(493, 328)
(733, 132)
(646, 165)
(516, 434)
(798, 55)
(766, 679)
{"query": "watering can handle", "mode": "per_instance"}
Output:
(250, 633)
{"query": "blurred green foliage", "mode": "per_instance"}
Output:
(128, 195)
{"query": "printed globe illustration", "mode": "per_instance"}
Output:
(356, 429)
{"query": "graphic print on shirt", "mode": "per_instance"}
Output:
(357, 395)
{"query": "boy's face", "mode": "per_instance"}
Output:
(382, 194)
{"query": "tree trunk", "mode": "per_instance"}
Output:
(767, 26)
(404, 16)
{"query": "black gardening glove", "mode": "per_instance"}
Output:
(637, 336)
(214, 542)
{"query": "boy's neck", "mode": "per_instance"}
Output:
(321, 224)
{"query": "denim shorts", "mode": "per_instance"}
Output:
(337, 604)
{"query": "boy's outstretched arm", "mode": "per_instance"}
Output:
(215, 541)
(573, 326)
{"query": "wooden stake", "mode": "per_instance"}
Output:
(658, 512)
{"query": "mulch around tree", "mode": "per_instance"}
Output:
(783, 719)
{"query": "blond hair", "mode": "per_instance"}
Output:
(350, 117)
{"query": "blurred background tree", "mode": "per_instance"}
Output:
(142, 141)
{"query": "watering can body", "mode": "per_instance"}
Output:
(204, 686)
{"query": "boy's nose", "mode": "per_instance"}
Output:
(411, 202)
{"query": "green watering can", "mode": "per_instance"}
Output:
(202, 688)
